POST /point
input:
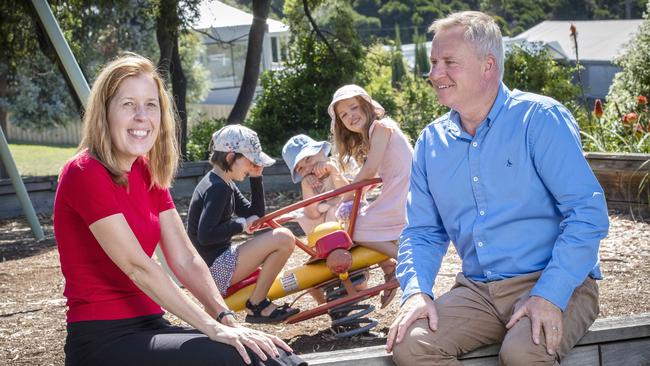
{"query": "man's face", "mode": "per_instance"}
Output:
(457, 73)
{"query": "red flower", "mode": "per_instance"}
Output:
(642, 100)
(630, 118)
(573, 30)
(598, 108)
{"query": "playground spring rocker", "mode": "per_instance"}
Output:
(336, 267)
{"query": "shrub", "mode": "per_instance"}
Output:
(413, 106)
(629, 131)
(531, 68)
(623, 127)
(199, 137)
(294, 100)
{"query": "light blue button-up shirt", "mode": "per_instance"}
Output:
(516, 198)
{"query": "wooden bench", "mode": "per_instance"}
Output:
(609, 342)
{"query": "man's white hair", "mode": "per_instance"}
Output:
(480, 29)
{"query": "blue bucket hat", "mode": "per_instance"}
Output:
(299, 147)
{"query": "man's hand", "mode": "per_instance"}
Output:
(542, 314)
(416, 307)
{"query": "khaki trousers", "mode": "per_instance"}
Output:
(474, 314)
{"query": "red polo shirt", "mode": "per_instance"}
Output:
(95, 287)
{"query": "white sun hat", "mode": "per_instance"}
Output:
(347, 92)
(243, 140)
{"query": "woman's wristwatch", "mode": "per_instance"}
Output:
(224, 314)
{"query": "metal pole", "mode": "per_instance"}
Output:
(19, 187)
(82, 90)
(62, 49)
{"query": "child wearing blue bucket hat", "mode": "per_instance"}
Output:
(317, 172)
(310, 165)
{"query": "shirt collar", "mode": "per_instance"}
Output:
(453, 126)
(499, 102)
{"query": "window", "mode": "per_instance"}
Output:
(279, 50)
(225, 62)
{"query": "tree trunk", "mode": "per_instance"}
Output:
(253, 58)
(4, 90)
(179, 88)
(167, 29)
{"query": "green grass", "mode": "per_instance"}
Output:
(37, 160)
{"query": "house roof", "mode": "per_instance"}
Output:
(215, 14)
(598, 40)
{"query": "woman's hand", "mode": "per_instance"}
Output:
(241, 337)
(229, 320)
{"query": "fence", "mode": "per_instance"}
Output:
(68, 135)
(71, 133)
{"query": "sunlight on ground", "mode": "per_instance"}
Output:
(36, 160)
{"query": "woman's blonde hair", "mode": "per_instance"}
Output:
(351, 144)
(162, 159)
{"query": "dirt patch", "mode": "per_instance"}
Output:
(32, 306)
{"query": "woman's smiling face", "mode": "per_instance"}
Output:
(134, 118)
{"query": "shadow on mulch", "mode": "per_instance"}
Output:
(325, 341)
(17, 240)
(25, 248)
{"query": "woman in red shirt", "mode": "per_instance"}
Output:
(112, 208)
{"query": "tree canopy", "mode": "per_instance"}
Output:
(377, 18)
(32, 88)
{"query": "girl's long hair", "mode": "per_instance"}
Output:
(352, 145)
(162, 159)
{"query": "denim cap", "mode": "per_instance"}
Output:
(300, 147)
(347, 92)
(243, 140)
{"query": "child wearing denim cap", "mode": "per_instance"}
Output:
(310, 165)
(235, 154)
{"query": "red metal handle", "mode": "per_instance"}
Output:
(269, 219)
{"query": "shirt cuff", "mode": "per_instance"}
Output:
(554, 288)
(412, 288)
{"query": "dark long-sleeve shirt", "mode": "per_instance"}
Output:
(210, 221)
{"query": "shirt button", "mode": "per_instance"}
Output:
(475, 144)
(480, 243)
(482, 213)
(475, 179)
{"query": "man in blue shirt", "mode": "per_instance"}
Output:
(502, 176)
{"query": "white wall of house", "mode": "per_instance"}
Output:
(224, 31)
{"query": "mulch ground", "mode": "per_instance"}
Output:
(32, 306)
